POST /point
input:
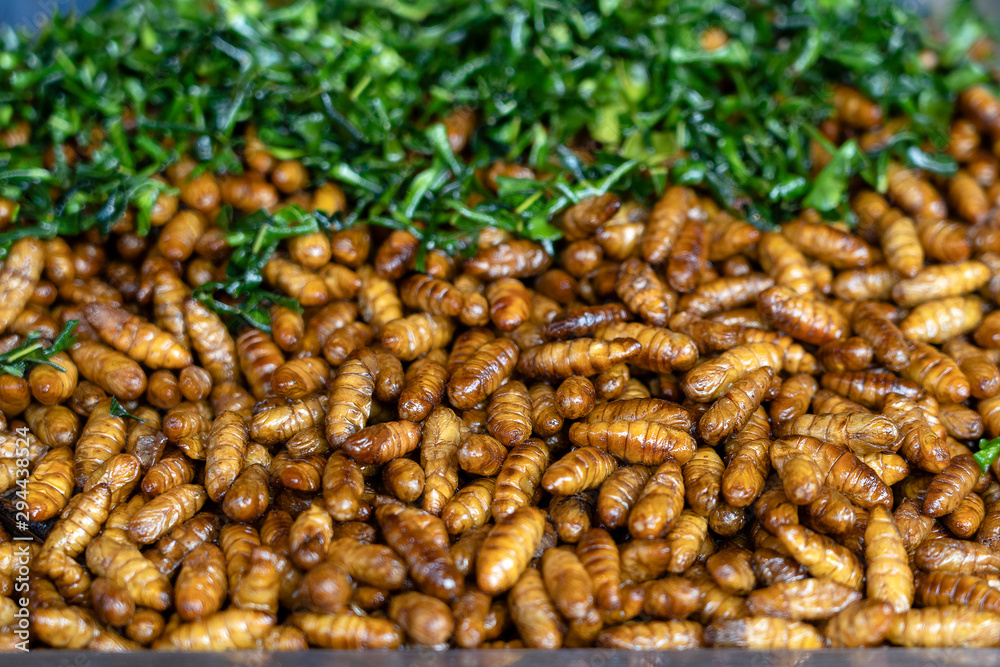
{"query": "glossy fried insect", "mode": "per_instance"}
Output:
(643, 408)
(404, 478)
(803, 599)
(793, 399)
(121, 562)
(889, 576)
(78, 523)
(382, 443)
(660, 350)
(533, 612)
(580, 470)
(921, 446)
(347, 631)
(519, 476)
(733, 410)
(619, 492)
(862, 624)
(345, 340)
(725, 293)
(659, 503)
(937, 373)
(519, 258)
(939, 589)
(111, 370)
(851, 354)
(507, 549)
(712, 378)
(165, 512)
(51, 484)
(227, 445)
(951, 625)
(867, 388)
(583, 356)
(575, 397)
(950, 486)
(955, 556)
(102, 437)
(807, 320)
(900, 243)
(469, 507)
(644, 293)
(666, 221)
(749, 463)
(939, 321)
(442, 435)
(914, 194)
(481, 374)
(649, 443)
(965, 521)
(509, 414)
(861, 433)
(19, 274)
(51, 386)
(424, 386)
(828, 244)
(121, 475)
(874, 282)
(411, 533)
(201, 586)
(982, 374)
(583, 218)
(373, 564)
(396, 254)
(703, 480)
(427, 621)
(413, 336)
(844, 472)
(688, 257)
(783, 262)
(887, 341)
(568, 583)
(800, 476)
(763, 632)
(481, 454)
(941, 282)
(285, 418)
(545, 417)
(821, 555)
(350, 396)
(432, 295)
(170, 550)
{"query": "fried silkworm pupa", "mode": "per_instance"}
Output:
(763, 632)
(733, 410)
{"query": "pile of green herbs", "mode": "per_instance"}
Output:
(594, 95)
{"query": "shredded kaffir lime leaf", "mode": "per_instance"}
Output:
(592, 95)
(35, 350)
(987, 453)
(116, 410)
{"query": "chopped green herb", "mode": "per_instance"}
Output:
(36, 350)
(591, 95)
(987, 453)
(117, 410)
(240, 296)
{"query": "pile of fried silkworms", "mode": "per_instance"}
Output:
(679, 431)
